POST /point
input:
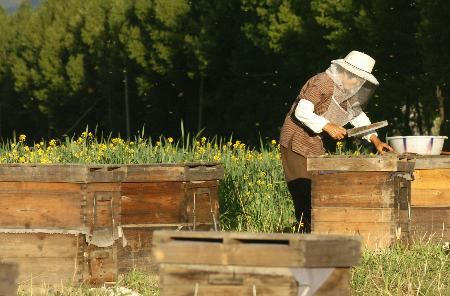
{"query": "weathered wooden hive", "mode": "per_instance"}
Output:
(430, 198)
(87, 223)
(227, 263)
(371, 197)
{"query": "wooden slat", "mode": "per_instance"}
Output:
(44, 258)
(80, 173)
(204, 172)
(430, 197)
(178, 279)
(350, 189)
(186, 172)
(343, 214)
(431, 221)
(38, 187)
(374, 235)
(40, 210)
(432, 162)
(356, 164)
(431, 179)
(246, 249)
(8, 279)
(230, 280)
(157, 203)
(431, 188)
(43, 173)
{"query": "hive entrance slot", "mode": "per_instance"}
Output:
(198, 239)
(263, 241)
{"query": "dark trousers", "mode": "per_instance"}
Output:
(299, 184)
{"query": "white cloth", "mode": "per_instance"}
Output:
(305, 113)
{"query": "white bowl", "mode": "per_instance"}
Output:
(423, 145)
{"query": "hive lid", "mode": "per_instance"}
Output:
(88, 173)
(347, 163)
(256, 249)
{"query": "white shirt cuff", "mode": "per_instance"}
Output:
(305, 113)
(362, 120)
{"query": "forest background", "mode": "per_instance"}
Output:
(230, 67)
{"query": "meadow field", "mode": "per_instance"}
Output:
(253, 197)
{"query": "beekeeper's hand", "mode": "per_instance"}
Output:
(335, 131)
(380, 145)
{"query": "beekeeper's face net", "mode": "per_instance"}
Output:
(351, 88)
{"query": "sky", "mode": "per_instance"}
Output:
(12, 5)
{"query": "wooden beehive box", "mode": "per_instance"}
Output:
(430, 198)
(366, 196)
(68, 224)
(225, 263)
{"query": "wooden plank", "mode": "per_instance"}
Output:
(343, 214)
(350, 189)
(44, 258)
(430, 197)
(179, 279)
(356, 164)
(185, 172)
(432, 162)
(8, 279)
(105, 173)
(140, 173)
(373, 235)
(431, 179)
(146, 203)
(72, 173)
(38, 187)
(226, 280)
(40, 210)
(245, 249)
(431, 188)
(203, 172)
(46, 271)
(426, 221)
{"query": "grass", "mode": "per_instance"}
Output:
(254, 197)
(422, 268)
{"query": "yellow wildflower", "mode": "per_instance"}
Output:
(52, 143)
(274, 142)
(158, 143)
(117, 141)
(90, 135)
(263, 174)
(203, 139)
(27, 149)
(170, 139)
(22, 138)
(84, 134)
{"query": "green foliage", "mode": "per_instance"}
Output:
(421, 269)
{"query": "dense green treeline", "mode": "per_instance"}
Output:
(231, 66)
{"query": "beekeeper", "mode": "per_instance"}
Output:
(327, 102)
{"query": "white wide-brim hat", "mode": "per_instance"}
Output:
(359, 64)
